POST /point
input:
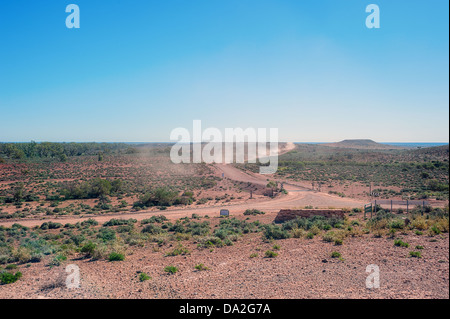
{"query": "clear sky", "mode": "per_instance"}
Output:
(137, 69)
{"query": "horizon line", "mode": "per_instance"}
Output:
(172, 142)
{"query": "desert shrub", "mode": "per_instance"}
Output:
(180, 250)
(400, 243)
(233, 228)
(11, 267)
(201, 267)
(57, 260)
(420, 223)
(329, 237)
(89, 222)
(106, 234)
(154, 219)
(114, 256)
(78, 239)
(202, 201)
(275, 232)
(143, 276)
(101, 251)
(118, 222)
(171, 269)
(9, 278)
(416, 254)
(270, 254)
(125, 229)
(22, 255)
(50, 225)
(438, 213)
(397, 224)
(435, 230)
(253, 212)
(88, 248)
(209, 242)
(315, 230)
(442, 224)
(96, 188)
(382, 214)
(320, 222)
(196, 228)
(298, 232)
(158, 197)
(336, 254)
(153, 229)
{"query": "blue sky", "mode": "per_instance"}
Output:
(137, 69)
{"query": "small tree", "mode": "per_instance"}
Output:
(272, 185)
(19, 193)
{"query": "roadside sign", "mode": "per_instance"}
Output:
(224, 212)
(368, 209)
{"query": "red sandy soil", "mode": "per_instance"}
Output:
(303, 269)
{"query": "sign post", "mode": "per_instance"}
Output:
(368, 209)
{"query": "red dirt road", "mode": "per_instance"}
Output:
(297, 197)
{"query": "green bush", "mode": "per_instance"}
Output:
(158, 197)
(143, 276)
(270, 254)
(253, 212)
(11, 267)
(275, 232)
(153, 229)
(118, 222)
(116, 257)
(154, 219)
(106, 234)
(179, 251)
(9, 278)
(201, 267)
(171, 269)
(335, 254)
(397, 224)
(88, 248)
(400, 243)
(210, 241)
(50, 225)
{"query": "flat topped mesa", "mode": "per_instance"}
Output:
(361, 144)
(289, 214)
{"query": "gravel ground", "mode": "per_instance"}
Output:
(303, 269)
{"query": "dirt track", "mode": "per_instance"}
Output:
(298, 196)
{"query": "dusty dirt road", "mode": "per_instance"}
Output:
(297, 197)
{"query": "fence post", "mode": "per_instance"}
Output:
(407, 206)
(391, 207)
(373, 208)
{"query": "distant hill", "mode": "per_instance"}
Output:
(433, 151)
(363, 144)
